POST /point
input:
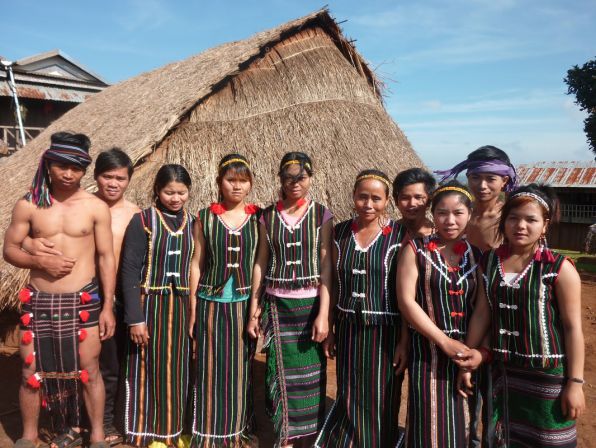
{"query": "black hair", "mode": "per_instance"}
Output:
(70, 138)
(440, 194)
(236, 162)
(368, 174)
(544, 192)
(489, 152)
(112, 159)
(170, 173)
(413, 176)
(299, 158)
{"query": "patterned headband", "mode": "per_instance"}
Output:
(296, 162)
(458, 189)
(373, 176)
(227, 162)
(533, 196)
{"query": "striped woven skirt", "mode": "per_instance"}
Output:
(438, 416)
(295, 378)
(365, 412)
(157, 374)
(527, 408)
(223, 412)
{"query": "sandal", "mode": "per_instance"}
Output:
(112, 433)
(68, 439)
(26, 443)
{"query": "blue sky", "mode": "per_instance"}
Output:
(459, 74)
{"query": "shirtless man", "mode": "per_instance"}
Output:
(113, 170)
(63, 318)
(489, 172)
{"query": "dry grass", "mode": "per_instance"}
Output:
(301, 86)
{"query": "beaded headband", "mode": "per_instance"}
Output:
(458, 189)
(533, 196)
(227, 162)
(373, 176)
(296, 162)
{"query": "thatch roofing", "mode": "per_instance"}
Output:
(300, 86)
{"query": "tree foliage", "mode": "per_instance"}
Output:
(581, 82)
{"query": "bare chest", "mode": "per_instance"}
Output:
(59, 220)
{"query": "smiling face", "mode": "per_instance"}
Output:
(234, 187)
(370, 199)
(486, 186)
(524, 225)
(112, 184)
(65, 176)
(412, 201)
(451, 217)
(173, 196)
(295, 182)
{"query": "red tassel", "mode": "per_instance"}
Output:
(386, 230)
(251, 209)
(548, 256)
(279, 206)
(44, 403)
(82, 334)
(34, 381)
(85, 298)
(431, 246)
(455, 313)
(84, 376)
(502, 251)
(84, 315)
(354, 226)
(300, 202)
(460, 248)
(538, 255)
(24, 295)
(458, 292)
(26, 319)
(27, 337)
(217, 208)
(30, 358)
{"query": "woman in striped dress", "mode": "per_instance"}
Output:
(534, 299)
(367, 323)
(436, 289)
(155, 270)
(226, 235)
(294, 264)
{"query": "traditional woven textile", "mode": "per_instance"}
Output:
(365, 412)
(223, 412)
(527, 408)
(55, 324)
(157, 374)
(438, 416)
(296, 367)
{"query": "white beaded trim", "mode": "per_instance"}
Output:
(524, 355)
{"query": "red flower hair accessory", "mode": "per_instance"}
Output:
(27, 337)
(26, 319)
(217, 208)
(24, 295)
(251, 209)
(85, 297)
(460, 248)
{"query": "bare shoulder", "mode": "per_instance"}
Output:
(95, 205)
(131, 207)
(23, 209)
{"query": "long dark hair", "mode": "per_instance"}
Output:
(170, 173)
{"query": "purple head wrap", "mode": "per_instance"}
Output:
(493, 166)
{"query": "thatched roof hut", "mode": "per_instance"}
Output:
(300, 86)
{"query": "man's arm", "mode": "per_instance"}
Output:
(18, 230)
(104, 249)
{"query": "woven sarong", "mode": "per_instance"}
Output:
(527, 408)
(157, 374)
(55, 325)
(296, 367)
(365, 412)
(223, 412)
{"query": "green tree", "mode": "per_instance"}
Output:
(581, 82)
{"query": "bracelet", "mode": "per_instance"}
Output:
(487, 355)
(576, 380)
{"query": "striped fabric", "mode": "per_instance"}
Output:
(169, 255)
(295, 380)
(365, 412)
(438, 416)
(157, 374)
(295, 249)
(223, 413)
(229, 253)
(527, 329)
(366, 276)
(527, 408)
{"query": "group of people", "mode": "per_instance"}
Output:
(169, 306)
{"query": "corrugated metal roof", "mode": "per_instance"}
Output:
(559, 174)
(46, 93)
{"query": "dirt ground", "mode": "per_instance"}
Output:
(10, 422)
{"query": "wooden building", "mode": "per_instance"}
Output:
(48, 85)
(575, 184)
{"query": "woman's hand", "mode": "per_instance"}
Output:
(191, 326)
(400, 357)
(464, 384)
(573, 403)
(329, 345)
(253, 327)
(454, 349)
(320, 328)
(471, 360)
(139, 334)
